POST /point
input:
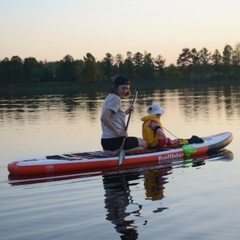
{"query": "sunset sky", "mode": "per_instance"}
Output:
(51, 29)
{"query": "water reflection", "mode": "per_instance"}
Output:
(123, 211)
(154, 181)
(121, 208)
(197, 100)
(30, 109)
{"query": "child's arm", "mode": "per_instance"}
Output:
(156, 128)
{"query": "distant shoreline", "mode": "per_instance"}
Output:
(15, 89)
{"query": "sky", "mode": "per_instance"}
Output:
(51, 29)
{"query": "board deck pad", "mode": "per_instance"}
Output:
(72, 156)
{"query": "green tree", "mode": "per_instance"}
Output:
(66, 70)
(31, 69)
(216, 62)
(119, 61)
(227, 60)
(236, 60)
(160, 65)
(79, 69)
(148, 66)
(16, 69)
(172, 71)
(4, 70)
(107, 65)
(185, 58)
(138, 63)
(203, 58)
(90, 69)
(48, 71)
(185, 61)
(194, 66)
(128, 65)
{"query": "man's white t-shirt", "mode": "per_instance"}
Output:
(113, 102)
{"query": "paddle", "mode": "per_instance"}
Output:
(121, 156)
(170, 133)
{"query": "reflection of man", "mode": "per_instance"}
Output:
(117, 198)
(153, 183)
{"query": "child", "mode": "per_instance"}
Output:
(152, 128)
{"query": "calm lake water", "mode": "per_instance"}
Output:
(191, 200)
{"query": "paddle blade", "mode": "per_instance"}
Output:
(121, 156)
(188, 150)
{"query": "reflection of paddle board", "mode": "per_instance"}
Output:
(90, 161)
(222, 155)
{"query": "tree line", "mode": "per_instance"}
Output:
(191, 64)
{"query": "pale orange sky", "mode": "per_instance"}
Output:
(51, 29)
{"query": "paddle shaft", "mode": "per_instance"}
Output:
(130, 113)
(121, 152)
